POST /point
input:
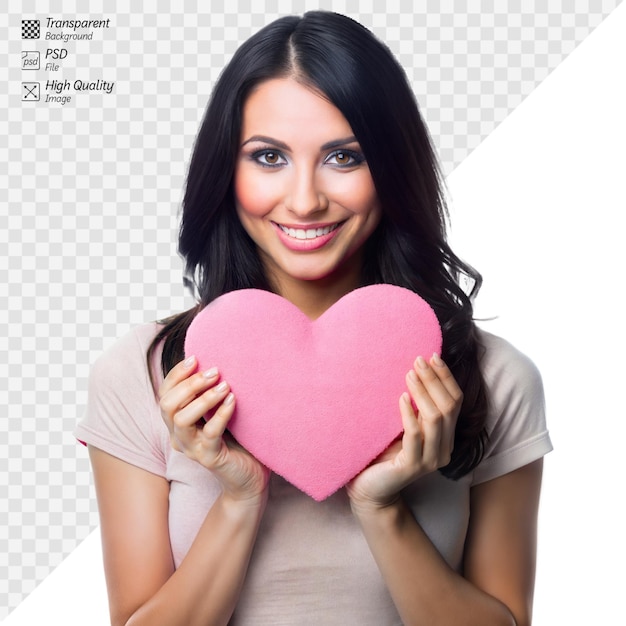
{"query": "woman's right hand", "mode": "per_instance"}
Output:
(186, 396)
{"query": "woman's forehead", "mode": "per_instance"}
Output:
(285, 108)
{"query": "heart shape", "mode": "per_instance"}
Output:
(316, 401)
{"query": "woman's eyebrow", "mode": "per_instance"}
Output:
(336, 143)
(270, 140)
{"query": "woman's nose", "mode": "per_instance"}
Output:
(306, 195)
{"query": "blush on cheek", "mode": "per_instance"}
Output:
(251, 199)
(355, 192)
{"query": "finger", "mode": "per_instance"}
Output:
(449, 382)
(430, 420)
(187, 389)
(179, 372)
(186, 420)
(434, 453)
(444, 399)
(217, 423)
(421, 397)
(412, 439)
(206, 443)
(444, 392)
(435, 386)
(446, 377)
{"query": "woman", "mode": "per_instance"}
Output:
(312, 175)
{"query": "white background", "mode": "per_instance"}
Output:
(540, 208)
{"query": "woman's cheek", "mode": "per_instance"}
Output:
(254, 195)
(357, 193)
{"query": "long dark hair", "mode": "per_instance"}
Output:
(338, 57)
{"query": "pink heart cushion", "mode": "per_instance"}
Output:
(316, 401)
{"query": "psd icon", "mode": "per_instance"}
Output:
(30, 29)
(30, 60)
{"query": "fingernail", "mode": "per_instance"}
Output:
(223, 386)
(210, 373)
(437, 360)
(229, 399)
(421, 363)
(189, 361)
(412, 376)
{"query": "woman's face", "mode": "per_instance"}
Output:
(304, 192)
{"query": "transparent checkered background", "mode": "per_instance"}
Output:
(89, 195)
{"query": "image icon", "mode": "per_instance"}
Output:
(31, 59)
(30, 29)
(30, 92)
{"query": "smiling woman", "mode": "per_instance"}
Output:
(304, 193)
(313, 175)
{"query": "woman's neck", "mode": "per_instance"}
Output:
(313, 297)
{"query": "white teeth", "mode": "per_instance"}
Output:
(309, 233)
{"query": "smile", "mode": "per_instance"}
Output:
(316, 237)
(309, 233)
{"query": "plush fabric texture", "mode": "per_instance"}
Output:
(316, 400)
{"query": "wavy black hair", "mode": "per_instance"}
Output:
(341, 59)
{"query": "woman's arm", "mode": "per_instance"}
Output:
(499, 554)
(499, 557)
(143, 585)
(501, 545)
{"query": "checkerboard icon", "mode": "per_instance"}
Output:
(30, 29)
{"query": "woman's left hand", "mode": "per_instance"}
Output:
(426, 443)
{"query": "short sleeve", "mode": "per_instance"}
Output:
(122, 416)
(516, 422)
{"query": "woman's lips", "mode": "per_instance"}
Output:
(306, 237)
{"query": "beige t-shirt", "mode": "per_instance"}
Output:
(311, 564)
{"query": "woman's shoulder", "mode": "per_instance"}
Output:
(122, 414)
(129, 349)
(516, 420)
(123, 365)
(136, 339)
(502, 363)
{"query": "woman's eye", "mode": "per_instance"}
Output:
(271, 158)
(268, 158)
(345, 158)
